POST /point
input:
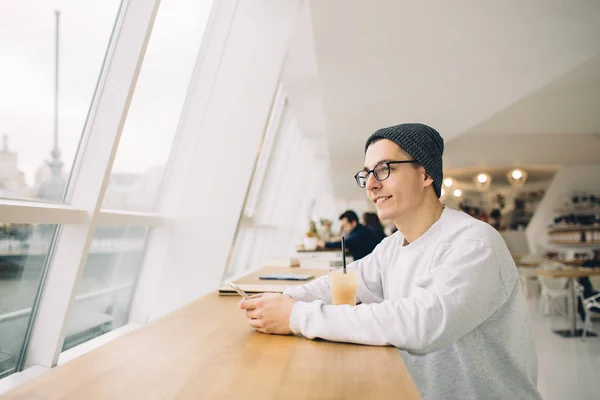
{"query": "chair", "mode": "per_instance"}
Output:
(527, 279)
(552, 264)
(524, 266)
(591, 306)
(553, 289)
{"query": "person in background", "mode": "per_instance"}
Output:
(371, 221)
(360, 241)
(519, 218)
(495, 219)
(444, 290)
(588, 288)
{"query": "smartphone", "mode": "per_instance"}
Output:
(239, 290)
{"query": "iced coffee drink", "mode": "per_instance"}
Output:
(343, 286)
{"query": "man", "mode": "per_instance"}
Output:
(360, 241)
(443, 289)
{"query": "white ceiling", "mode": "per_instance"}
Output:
(570, 104)
(504, 82)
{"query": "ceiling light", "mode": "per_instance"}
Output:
(482, 181)
(457, 193)
(448, 182)
(516, 174)
(516, 177)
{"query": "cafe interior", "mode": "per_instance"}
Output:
(197, 143)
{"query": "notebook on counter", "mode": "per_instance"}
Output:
(253, 288)
(285, 277)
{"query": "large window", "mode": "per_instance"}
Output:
(114, 260)
(99, 189)
(71, 71)
(52, 54)
(43, 109)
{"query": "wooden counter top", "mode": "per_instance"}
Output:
(207, 350)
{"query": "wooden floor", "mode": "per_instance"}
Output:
(568, 368)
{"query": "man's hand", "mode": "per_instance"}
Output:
(269, 312)
(321, 244)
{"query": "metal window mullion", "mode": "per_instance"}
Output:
(102, 131)
(108, 217)
(64, 214)
(42, 213)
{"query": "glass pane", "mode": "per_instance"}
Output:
(106, 288)
(38, 145)
(278, 114)
(24, 250)
(157, 104)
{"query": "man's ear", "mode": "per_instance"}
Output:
(426, 177)
(428, 180)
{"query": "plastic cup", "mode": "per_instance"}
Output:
(343, 286)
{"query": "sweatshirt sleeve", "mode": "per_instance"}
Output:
(460, 293)
(369, 288)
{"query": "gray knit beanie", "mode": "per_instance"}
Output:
(422, 142)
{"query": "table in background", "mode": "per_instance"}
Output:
(322, 258)
(571, 274)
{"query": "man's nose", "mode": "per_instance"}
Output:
(372, 182)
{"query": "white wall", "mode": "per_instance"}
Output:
(228, 126)
(358, 206)
(584, 178)
(296, 186)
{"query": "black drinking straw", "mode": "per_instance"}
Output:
(344, 253)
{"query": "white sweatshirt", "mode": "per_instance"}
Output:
(451, 301)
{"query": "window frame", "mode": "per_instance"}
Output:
(81, 212)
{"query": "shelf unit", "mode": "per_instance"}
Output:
(573, 243)
(575, 235)
(575, 228)
(578, 210)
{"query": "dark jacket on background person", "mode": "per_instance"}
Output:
(377, 231)
(360, 242)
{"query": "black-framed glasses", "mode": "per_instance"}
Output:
(381, 172)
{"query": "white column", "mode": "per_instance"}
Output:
(568, 180)
(227, 118)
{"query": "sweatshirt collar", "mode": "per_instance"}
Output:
(429, 233)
